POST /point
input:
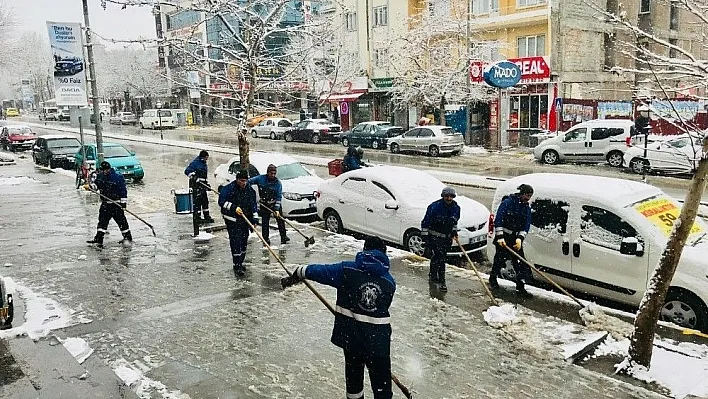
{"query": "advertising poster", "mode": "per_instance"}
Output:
(614, 109)
(67, 45)
(663, 213)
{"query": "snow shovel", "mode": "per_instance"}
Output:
(476, 272)
(319, 296)
(117, 203)
(308, 240)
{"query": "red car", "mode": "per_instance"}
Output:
(17, 137)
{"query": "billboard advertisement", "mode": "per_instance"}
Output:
(66, 41)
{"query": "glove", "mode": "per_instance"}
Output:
(289, 281)
(517, 244)
(86, 187)
(239, 211)
(501, 242)
(191, 175)
(454, 234)
(276, 213)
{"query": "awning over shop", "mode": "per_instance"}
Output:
(341, 97)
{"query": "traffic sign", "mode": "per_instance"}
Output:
(344, 108)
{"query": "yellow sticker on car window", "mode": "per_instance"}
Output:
(663, 213)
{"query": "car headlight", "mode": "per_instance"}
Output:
(292, 196)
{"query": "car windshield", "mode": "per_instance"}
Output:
(321, 121)
(448, 131)
(662, 212)
(63, 143)
(115, 152)
(52, 110)
(24, 131)
(291, 171)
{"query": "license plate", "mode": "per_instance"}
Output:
(477, 239)
(312, 205)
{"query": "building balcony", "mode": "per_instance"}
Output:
(496, 20)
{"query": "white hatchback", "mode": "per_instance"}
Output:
(390, 202)
(299, 184)
(679, 154)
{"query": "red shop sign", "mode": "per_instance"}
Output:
(533, 69)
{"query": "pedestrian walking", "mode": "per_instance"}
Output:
(439, 229)
(303, 115)
(511, 224)
(314, 114)
(362, 328)
(198, 171)
(238, 200)
(112, 186)
(270, 191)
(211, 116)
(203, 112)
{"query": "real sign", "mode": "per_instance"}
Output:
(68, 52)
(503, 74)
(533, 69)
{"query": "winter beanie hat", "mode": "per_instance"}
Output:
(525, 189)
(242, 174)
(448, 191)
(374, 243)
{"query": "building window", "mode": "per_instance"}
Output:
(350, 21)
(529, 3)
(439, 8)
(674, 16)
(609, 51)
(644, 6)
(380, 57)
(484, 6)
(531, 46)
(381, 16)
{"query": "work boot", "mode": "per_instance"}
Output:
(284, 240)
(207, 218)
(442, 286)
(266, 241)
(97, 240)
(493, 283)
(239, 270)
(522, 291)
(127, 239)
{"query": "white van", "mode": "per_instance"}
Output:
(598, 140)
(605, 236)
(158, 119)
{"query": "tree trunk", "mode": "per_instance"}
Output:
(243, 142)
(642, 340)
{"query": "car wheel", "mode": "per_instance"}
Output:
(395, 148)
(375, 144)
(315, 138)
(254, 133)
(434, 151)
(345, 142)
(272, 136)
(685, 309)
(413, 242)
(288, 137)
(614, 158)
(333, 222)
(550, 157)
(141, 125)
(52, 164)
(638, 165)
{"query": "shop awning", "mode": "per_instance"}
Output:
(341, 97)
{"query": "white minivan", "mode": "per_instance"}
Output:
(605, 236)
(598, 140)
(158, 119)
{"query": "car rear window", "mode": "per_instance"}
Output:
(165, 113)
(20, 130)
(60, 143)
(448, 131)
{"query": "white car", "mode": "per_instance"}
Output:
(158, 119)
(271, 127)
(390, 202)
(123, 118)
(676, 155)
(299, 184)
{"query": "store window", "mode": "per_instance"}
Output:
(531, 46)
(528, 111)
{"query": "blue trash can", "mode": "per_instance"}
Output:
(183, 201)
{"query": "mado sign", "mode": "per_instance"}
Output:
(503, 74)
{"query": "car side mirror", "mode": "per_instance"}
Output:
(391, 204)
(132, 153)
(629, 246)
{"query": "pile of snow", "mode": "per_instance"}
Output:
(203, 236)
(78, 348)
(474, 150)
(501, 316)
(596, 319)
(143, 386)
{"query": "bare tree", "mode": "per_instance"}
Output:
(7, 21)
(659, 63)
(131, 69)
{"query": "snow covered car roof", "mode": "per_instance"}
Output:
(619, 191)
(56, 136)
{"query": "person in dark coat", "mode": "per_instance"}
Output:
(238, 200)
(270, 192)
(362, 328)
(211, 116)
(511, 224)
(303, 115)
(111, 185)
(352, 161)
(198, 171)
(203, 112)
(438, 230)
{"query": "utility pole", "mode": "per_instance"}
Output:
(94, 87)
(468, 128)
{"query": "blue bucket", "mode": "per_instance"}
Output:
(183, 201)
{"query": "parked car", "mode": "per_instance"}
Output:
(158, 119)
(315, 131)
(120, 158)
(604, 236)
(123, 118)
(433, 140)
(373, 134)
(49, 114)
(12, 112)
(17, 137)
(255, 120)
(599, 140)
(676, 155)
(55, 151)
(272, 127)
(390, 202)
(64, 114)
(299, 184)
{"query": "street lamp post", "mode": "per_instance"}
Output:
(468, 128)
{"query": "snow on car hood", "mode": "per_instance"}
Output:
(302, 184)
(472, 213)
